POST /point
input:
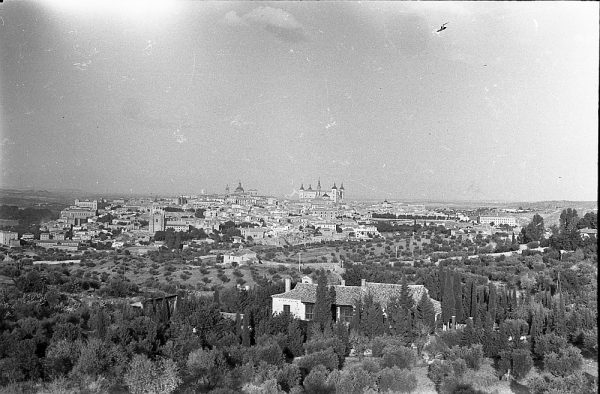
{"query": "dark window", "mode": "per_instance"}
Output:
(346, 313)
(310, 311)
(286, 308)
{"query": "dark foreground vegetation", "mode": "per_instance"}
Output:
(531, 319)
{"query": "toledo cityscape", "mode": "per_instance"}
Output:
(298, 197)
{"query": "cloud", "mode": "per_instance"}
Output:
(276, 21)
(233, 19)
(274, 17)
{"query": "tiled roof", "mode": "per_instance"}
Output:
(347, 295)
(304, 292)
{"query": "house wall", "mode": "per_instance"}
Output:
(296, 307)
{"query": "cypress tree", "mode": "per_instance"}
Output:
(406, 300)
(448, 300)
(333, 310)
(458, 304)
(357, 317)
(466, 299)
(514, 301)
(407, 326)
(441, 282)
(502, 338)
(426, 312)
(473, 297)
(501, 306)
(238, 324)
(560, 327)
(372, 321)
(536, 329)
(489, 339)
(246, 338)
(481, 304)
(394, 316)
(322, 303)
(477, 323)
(468, 337)
(493, 301)
(295, 339)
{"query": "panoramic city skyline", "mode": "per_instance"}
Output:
(177, 97)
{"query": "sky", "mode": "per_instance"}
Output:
(174, 97)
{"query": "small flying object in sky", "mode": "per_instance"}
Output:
(443, 27)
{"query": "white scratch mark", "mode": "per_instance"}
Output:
(148, 49)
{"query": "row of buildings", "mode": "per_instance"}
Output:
(314, 216)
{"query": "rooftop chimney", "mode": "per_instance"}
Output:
(363, 283)
(288, 284)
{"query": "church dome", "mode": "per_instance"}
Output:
(239, 189)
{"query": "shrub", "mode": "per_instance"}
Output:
(566, 362)
(371, 365)
(288, 376)
(354, 381)
(380, 342)
(398, 356)
(327, 358)
(459, 366)
(590, 340)
(144, 375)
(438, 370)
(319, 344)
(465, 388)
(61, 356)
(267, 387)
(397, 380)
(521, 362)
(316, 381)
(451, 337)
(549, 343)
(472, 355)
(575, 383)
(270, 353)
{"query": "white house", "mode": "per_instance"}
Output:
(241, 257)
(300, 301)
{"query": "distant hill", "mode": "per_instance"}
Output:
(38, 198)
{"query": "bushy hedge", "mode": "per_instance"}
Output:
(398, 356)
(567, 361)
(397, 380)
(327, 358)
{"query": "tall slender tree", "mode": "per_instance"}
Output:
(372, 319)
(466, 289)
(489, 337)
(425, 312)
(448, 300)
(395, 316)
(473, 297)
(356, 316)
(559, 318)
(468, 337)
(493, 301)
(322, 316)
(536, 328)
(406, 299)
(458, 304)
